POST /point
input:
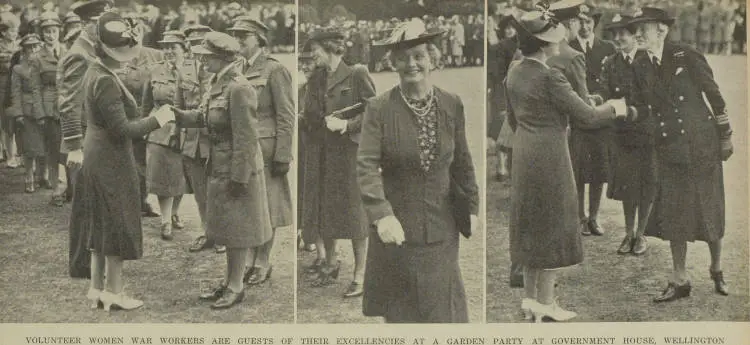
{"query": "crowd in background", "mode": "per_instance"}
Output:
(462, 45)
(712, 26)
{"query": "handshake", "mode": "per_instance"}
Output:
(164, 115)
(622, 111)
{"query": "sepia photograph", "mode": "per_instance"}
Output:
(146, 147)
(390, 198)
(617, 164)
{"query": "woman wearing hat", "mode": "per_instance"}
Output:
(45, 71)
(109, 170)
(236, 205)
(544, 220)
(71, 22)
(9, 24)
(413, 164)
(332, 205)
(24, 97)
(173, 81)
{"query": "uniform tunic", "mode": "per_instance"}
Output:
(228, 113)
(332, 204)
(689, 204)
(420, 281)
(544, 214)
(45, 70)
(275, 116)
(165, 171)
(25, 95)
(632, 168)
(113, 208)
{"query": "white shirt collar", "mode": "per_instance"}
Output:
(658, 53)
(252, 59)
(586, 42)
(631, 55)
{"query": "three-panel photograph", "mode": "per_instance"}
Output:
(366, 162)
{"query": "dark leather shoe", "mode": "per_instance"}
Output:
(148, 211)
(640, 245)
(585, 230)
(176, 222)
(719, 284)
(260, 275)
(594, 228)
(626, 246)
(315, 267)
(248, 273)
(673, 292)
(215, 294)
(354, 290)
(229, 299)
(200, 243)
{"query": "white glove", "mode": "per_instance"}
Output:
(75, 159)
(621, 109)
(163, 115)
(390, 230)
(335, 124)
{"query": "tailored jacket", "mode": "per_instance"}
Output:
(195, 143)
(45, 72)
(25, 92)
(275, 115)
(391, 179)
(594, 60)
(349, 85)
(70, 70)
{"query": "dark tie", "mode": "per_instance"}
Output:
(627, 59)
(655, 61)
(588, 49)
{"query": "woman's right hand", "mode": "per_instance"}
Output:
(163, 115)
(390, 230)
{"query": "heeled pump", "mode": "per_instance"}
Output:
(551, 311)
(527, 305)
(119, 301)
(260, 275)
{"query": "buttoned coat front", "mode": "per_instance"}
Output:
(276, 118)
(25, 94)
(332, 203)
(423, 277)
(235, 156)
(689, 204)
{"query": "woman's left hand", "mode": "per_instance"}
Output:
(474, 223)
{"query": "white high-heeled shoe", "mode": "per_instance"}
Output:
(94, 296)
(527, 305)
(552, 311)
(120, 301)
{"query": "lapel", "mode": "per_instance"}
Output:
(342, 73)
(575, 44)
(667, 65)
(653, 77)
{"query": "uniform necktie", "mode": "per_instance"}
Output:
(655, 61)
(627, 59)
(588, 48)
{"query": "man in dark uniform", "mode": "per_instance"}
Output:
(692, 140)
(276, 118)
(589, 148)
(632, 172)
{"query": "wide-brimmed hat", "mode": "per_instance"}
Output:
(408, 34)
(118, 38)
(250, 25)
(29, 40)
(91, 9)
(172, 36)
(196, 32)
(218, 44)
(652, 14)
(542, 25)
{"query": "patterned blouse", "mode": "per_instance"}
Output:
(427, 130)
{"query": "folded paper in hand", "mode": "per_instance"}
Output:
(620, 107)
(163, 115)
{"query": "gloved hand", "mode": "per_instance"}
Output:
(726, 148)
(279, 168)
(390, 230)
(237, 189)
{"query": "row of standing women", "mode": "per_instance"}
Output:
(389, 178)
(229, 144)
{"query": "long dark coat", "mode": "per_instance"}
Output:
(689, 203)
(421, 281)
(236, 222)
(276, 117)
(332, 206)
(25, 96)
(544, 214)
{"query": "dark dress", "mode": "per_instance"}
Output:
(544, 217)
(332, 206)
(419, 282)
(110, 195)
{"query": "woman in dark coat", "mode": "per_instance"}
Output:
(236, 203)
(544, 219)
(112, 203)
(332, 205)
(413, 158)
(25, 94)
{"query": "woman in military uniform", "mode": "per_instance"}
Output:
(236, 205)
(25, 94)
(45, 71)
(332, 205)
(415, 171)
(174, 82)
